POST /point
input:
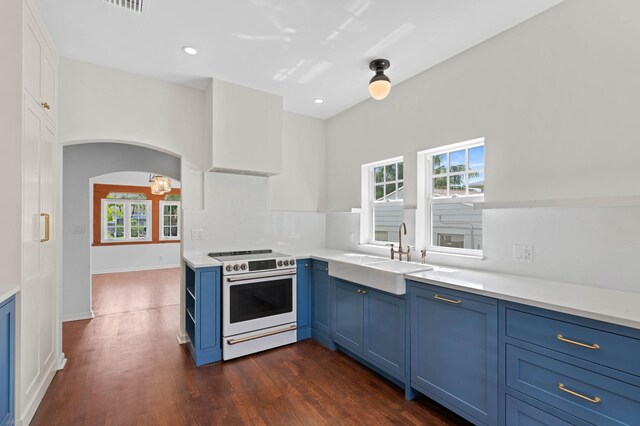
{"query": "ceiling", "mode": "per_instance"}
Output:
(300, 49)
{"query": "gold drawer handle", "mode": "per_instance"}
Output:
(594, 346)
(45, 105)
(47, 223)
(455, 302)
(595, 399)
(361, 291)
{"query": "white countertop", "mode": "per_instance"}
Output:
(7, 290)
(200, 260)
(613, 306)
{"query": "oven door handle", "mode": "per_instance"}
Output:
(257, 336)
(279, 274)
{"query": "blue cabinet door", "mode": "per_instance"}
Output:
(303, 297)
(384, 332)
(454, 350)
(321, 299)
(348, 316)
(7, 369)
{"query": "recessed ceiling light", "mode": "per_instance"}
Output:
(189, 50)
(318, 101)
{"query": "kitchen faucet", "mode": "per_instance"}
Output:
(399, 251)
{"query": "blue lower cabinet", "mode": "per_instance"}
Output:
(303, 298)
(7, 360)
(321, 303)
(580, 392)
(520, 413)
(454, 350)
(370, 325)
(384, 331)
(348, 316)
(203, 313)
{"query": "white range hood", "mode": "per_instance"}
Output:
(245, 131)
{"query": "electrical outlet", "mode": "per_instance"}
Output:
(78, 229)
(522, 253)
(197, 234)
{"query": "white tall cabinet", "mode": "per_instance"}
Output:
(39, 354)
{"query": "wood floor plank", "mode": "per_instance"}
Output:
(125, 368)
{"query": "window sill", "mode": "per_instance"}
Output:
(462, 255)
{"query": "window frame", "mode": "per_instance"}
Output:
(425, 205)
(367, 216)
(161, 218)
(127, 220)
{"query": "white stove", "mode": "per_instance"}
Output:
(258, 301)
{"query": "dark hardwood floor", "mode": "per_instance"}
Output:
(126, 368)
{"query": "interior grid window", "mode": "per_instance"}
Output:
(169, 220)
(455, 181)
(125, 220)
(386, 205)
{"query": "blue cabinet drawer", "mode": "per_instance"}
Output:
(590, 344)
(520, 413)
(587, 395)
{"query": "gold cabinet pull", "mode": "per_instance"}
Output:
(595, 399)
(45, 105)
(593, 346)
(47, 222)
(444, 299)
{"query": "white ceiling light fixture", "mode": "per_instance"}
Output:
(190, 50)
(379, 85)
(318, 100)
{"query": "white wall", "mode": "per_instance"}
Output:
(11, 125)
(556, 99)
(122, 258)
(302, 184)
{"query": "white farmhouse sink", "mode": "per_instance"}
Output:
(375, 272)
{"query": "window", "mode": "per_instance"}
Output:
(454, 181)
(169, 220)
(125, 220)
(383, 188)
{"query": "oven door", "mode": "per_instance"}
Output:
(257, 301)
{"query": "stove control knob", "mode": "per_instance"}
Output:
(286, 263)
(279, 262)
(228, 268)
(292, 262)
(236, 267)
(243, 266)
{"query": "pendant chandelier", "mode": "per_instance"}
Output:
(159, 184)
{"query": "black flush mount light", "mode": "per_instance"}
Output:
(380, 85)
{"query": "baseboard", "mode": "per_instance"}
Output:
(30, 411)
(182, 338)
(135, 268)
(62, 362)
(78, 317)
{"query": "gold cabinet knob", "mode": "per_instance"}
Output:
(45, 105)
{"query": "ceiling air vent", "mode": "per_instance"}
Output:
(132, 5)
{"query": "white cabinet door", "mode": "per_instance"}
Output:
(40, 67)
(37, 342)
